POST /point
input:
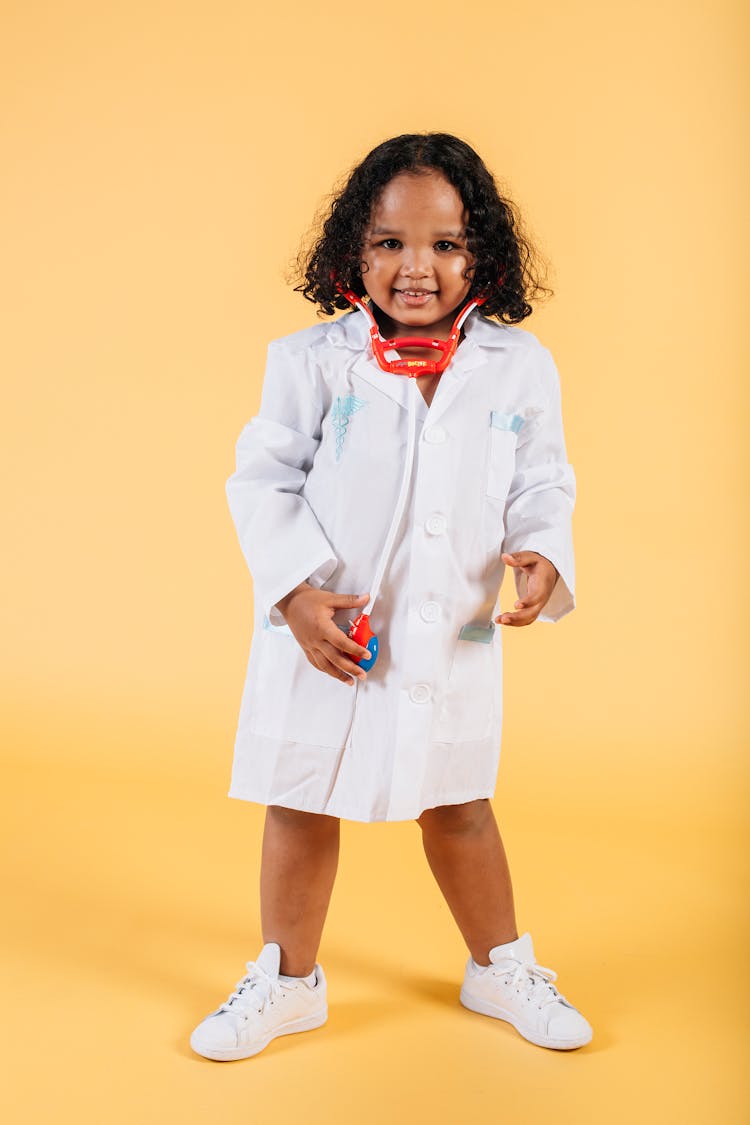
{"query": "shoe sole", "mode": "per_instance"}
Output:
(485, 1008)
(231, 1054)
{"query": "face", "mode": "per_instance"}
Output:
(415, 255)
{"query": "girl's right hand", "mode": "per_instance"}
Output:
(309, 612)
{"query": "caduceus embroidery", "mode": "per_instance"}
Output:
(343, 408)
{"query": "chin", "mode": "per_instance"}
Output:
(404, 312)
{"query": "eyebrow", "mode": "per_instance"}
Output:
(438, 234)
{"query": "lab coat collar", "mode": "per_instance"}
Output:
(352, 331)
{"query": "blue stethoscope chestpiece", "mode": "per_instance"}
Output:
(371, 644)
(367, 662)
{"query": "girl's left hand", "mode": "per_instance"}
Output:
(541, 577)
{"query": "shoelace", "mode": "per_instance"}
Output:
(258, 985)
(532, 979)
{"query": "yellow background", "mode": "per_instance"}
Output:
(160, 162)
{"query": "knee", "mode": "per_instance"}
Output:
(467, 817)
(298, 818)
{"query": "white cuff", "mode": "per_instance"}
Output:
(317, 577)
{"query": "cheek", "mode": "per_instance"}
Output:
(455, 271)
(374, 261)
(375, 271)
(459, 285)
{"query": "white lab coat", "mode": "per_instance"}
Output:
(318, 473)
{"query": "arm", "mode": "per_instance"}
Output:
(281, 539)
(540, 502)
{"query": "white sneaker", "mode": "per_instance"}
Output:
(513, 988)
(261, 1008)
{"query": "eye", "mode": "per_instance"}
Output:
(390, 244)
(444, 244)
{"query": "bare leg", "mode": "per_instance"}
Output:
(299, 860)
(464, 850)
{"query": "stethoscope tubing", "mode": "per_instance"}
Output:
(401, 501)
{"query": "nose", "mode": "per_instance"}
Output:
(416, 264)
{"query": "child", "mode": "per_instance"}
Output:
(365, 497)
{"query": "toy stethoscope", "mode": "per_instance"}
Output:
(388, 359)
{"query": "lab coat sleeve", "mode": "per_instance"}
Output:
(281, 539)
(539, 506)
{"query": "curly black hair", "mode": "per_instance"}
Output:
(506, 261)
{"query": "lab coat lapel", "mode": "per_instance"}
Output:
(352, 332)
(394, 386)
(453, 379)
(482, 338)
(469, 356)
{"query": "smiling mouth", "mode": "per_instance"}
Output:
(416, 292)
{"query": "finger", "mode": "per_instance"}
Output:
(520, 558)
(342, 641)
(344, 601)
(534, 599)
(538, 588)
(516, 619)
(517, 560)
(522, 617)
(324, 665)
(335, 656)
(315, 661)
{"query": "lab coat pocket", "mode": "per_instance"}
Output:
(501, 457)
(468, 704)
(291, 700)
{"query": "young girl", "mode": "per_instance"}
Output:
(379, 495)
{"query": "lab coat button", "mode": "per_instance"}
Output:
(435, 524)
(429, 611)
(419, 693)
(435, 434)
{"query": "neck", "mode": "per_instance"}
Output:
(391, 329)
